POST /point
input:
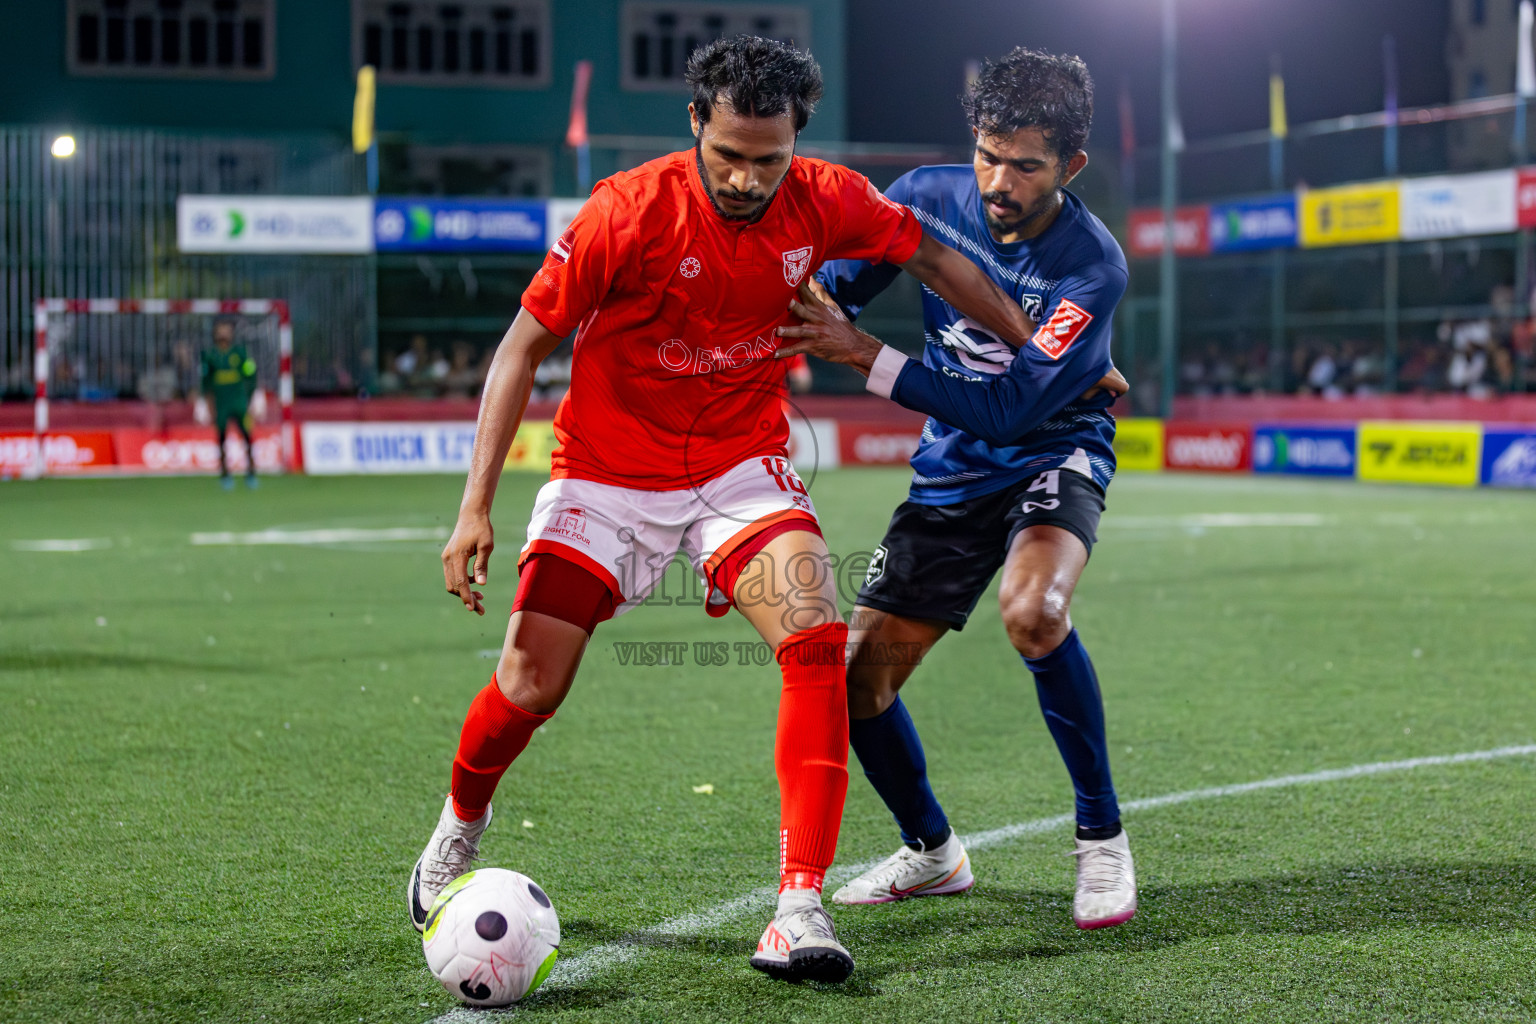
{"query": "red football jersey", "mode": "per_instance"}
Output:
(673, 379)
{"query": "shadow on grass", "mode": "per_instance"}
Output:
(1359, 900)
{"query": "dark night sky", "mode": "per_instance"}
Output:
(906, 59)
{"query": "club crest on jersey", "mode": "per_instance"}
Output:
(796, 263)
(1058, 333)
(1032, 306)
(690, 267)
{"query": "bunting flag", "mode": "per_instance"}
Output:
(576, 132)
(362, 110)
(1278, 128)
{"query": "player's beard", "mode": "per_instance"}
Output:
(698, 159)
(1042, 207)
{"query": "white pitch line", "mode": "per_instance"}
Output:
(583, 966)
(73, 544)
(331, 536)
(1210, 519)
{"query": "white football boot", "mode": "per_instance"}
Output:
(907, 873)
(1106, 882)
(800, 945)
(448, 854)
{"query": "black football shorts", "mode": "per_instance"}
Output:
(937, 560)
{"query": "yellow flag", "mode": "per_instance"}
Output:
(362, 111)
(1277, 125)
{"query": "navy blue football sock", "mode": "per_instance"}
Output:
(1074, 712)
(892, 757)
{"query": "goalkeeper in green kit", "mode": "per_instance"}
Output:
(229, 379)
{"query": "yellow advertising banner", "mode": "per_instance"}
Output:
(1139, 443)
(531, 446)
(1349, 214)
(1448, 454)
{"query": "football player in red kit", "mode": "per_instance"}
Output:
(672, 437)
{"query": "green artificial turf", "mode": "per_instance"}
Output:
(217, 765)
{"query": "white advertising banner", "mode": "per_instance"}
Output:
(275, 224)
(1453, 205)
(335, 449)
(558, 214)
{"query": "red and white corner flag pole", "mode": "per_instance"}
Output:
(40, 394)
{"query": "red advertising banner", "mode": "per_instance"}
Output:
(69, 451)
(874, 443)
(1191, 231)
(1208, 447)
(192, 450)
(1525, 197)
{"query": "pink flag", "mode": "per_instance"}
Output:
(576, 134)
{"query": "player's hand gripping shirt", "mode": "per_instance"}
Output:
(673, 379)
(998, 413)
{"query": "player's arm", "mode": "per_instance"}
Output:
(964, 286)
(999, 410)
(578, 271)
(502, 403)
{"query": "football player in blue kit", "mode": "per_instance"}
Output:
(1010, 473)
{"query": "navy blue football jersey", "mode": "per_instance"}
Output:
(997, 413)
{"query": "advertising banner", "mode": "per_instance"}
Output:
(532, 446)
(336, 449)
(813, 444)
(1509, 457)
(1254, 224)
(1139, 443)
(192, 450)
(459, 225)
(558, 215)
(876, 443)
(1191, 227)
(1207, 447)
(1401, 451)
(344, 449)
(1450, 206)
(1525, 197)
(1349, 214)
(274, 224)
(1312, 451)
(70, 451)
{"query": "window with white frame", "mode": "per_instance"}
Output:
(657, 37)
(171, 38)
(464, 42)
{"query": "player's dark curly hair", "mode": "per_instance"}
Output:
(1030, 89)
(758, 77)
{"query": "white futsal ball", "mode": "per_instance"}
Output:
(491, 937)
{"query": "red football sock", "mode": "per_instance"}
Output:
(810, 753)
(495, 732)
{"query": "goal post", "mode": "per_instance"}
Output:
(101, 349)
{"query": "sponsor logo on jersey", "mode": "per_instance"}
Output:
(570, 523)
(876, 566)
(975, 347)
(676, 356)
(690, 267)
(561, 250)
(796, 263)
(1058, 333)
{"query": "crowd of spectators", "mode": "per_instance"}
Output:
(1480, 357)
(422, 370)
